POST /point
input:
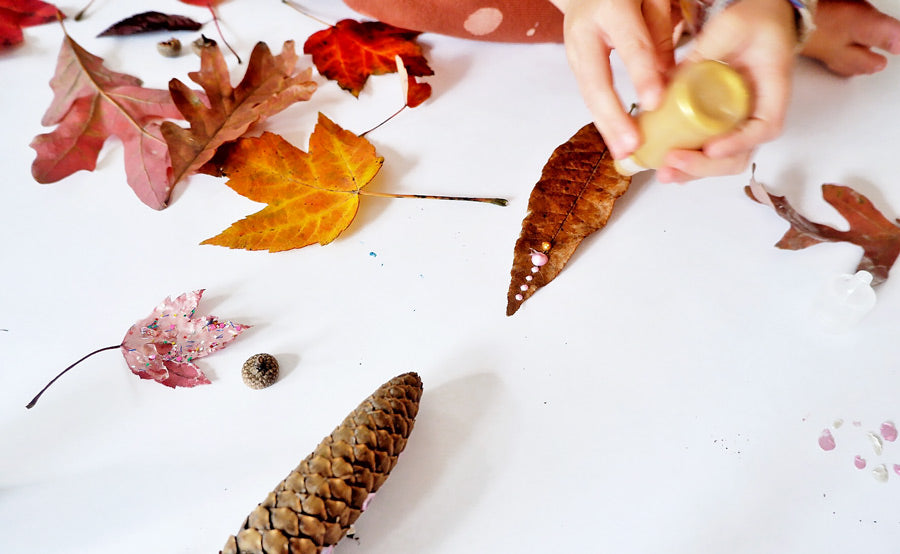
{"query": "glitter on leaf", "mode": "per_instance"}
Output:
(164, 345)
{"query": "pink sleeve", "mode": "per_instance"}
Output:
(492, 20)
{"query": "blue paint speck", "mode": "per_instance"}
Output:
(373, 254)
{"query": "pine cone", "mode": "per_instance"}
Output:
(315, 505)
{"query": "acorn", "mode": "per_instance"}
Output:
(202, 44)
(260, 371)
(169, 48)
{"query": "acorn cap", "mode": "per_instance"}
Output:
(260, 371)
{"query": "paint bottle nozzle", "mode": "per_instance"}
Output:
(847, 300)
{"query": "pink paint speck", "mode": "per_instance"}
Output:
(897, 469)
(826, 440)
(859, 462)
(888, 431)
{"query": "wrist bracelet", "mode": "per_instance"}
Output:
(698, 12)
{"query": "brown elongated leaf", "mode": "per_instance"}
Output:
(574, 197)
(271, 84)
(148, 22)
(878, 236)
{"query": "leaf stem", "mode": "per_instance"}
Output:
(219, 29)
(80, 15)
(35, 399)
(300, 9)
(390, 117)
(494, 201)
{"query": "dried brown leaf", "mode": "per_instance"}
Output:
(574, 197)
(878, 236)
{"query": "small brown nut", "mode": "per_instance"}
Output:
(169, 48)
(202, 44)
(260, 371)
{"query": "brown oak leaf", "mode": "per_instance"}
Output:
(573, 198)
(878, 236)
(350, 51)
(91, 103)
(270, 85)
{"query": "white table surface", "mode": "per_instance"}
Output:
(664, 394)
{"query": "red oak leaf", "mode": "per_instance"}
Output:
(92, 103)
(351, 51)
(164, 345)
(16, 14)
(878, 236)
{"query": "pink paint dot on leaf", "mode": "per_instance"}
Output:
(826, 440)
(897, 469)
(859, 462)
(539, 259)
(889, 431)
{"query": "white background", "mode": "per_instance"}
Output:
(664, 394)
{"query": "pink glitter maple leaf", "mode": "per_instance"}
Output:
(164, 345)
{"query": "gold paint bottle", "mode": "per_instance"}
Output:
(704, 100)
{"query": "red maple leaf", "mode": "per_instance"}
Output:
(350, 51)
(164, 345)
(16, 14)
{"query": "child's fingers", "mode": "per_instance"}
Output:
(595, 80)
(589, 57)
(686, 165)
(856, 60)
(630, 35)
(658, 18)
(876, 30)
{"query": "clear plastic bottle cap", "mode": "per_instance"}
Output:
(847, 299)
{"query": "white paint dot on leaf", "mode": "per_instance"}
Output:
(483, 21)
(880, 473)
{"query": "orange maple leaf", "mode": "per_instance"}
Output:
(351, 51)
(312, 197)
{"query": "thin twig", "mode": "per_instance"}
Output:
(35, 399)
(221, 34)
(390, 117)
(300, 9)
(80, 14)
(494, 201)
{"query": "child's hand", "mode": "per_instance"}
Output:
(846, 33)
(758, 38)
(641, 32)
